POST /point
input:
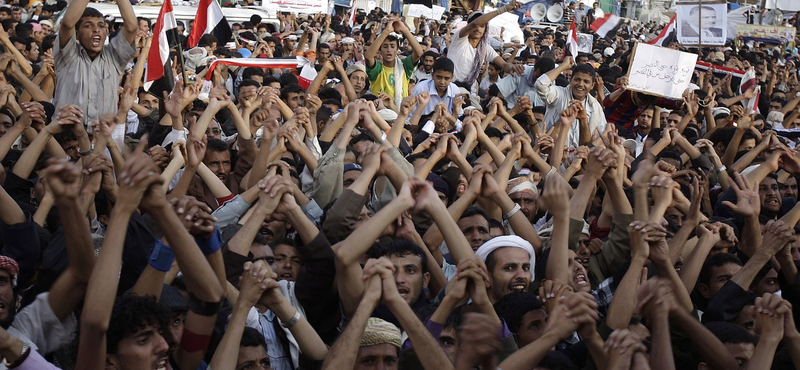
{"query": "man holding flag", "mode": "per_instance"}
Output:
(159, 78)
(88, 70)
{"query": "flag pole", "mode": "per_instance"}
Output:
(180, 61)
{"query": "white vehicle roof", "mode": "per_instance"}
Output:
(187, 13)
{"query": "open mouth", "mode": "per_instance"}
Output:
(286, 276)
(404, 292)
(96, 41)
(3, 307)
(771, 201)
(518, 287)
(162, 364)
(580, 279)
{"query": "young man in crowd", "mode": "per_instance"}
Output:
(334, 215)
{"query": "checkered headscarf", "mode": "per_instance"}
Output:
(10, 265)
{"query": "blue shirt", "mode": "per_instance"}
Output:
(430, 87)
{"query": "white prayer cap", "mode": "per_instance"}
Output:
(507, 241)
(348, 40)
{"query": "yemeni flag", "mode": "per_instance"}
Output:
(749, 82)
(607, 26)
(705, 66)
(666, 36)
(159, 77)
(307, 73)
(572, 41)
(209, 20)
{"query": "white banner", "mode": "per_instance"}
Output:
(419, 10)
(660, 71)
(296, 6)
(784, 5)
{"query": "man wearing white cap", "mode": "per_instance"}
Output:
(373, 343)
(524, 193)
(509, 260)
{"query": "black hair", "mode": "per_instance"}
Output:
(716, 260)
(323, 45)
(323, 113)
(514, 305)
(335, 102)
(584, 68)
(762, 273)
(444, 64)
(495, 224)
(132, 313)
(89, 12)
(217, 145)
(248, 73)
(23, 29)
(722, 135)
(249, 82)
(270, 80)
(669, 154)
(730, 333)
(474, 210)
(392, 38)
(291, 89)
(8, 23)
(65, 137)
(539, 109)
(330, 93)
(255, 19)
(359, 138)
(429, 53)
(399, 248)
(252, 338)
(207, 40)
(494, 132)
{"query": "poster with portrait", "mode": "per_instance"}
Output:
(702, 23)
(585, 42)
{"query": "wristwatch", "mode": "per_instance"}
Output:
(25, 348)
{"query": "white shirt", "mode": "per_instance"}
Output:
(558, 98)
(463, 55)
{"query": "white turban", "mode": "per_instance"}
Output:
(507, 241)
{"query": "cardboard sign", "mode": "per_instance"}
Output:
(419, 10)
(660, 71)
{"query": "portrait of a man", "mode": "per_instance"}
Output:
(702, 24)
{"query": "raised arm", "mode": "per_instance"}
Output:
(256, 278)
(70, 20)
(139, 174)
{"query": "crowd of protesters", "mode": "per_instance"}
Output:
(436, 198)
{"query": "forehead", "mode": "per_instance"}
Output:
(743, 351)
(285, 249)
(378, 350)
(511, 254)
(728, 268)
(522, 195)
(474, 220)
(768, 181)
(534, 315)
(223, 155)
(408, 259)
